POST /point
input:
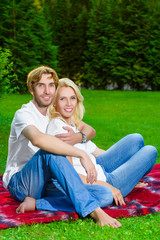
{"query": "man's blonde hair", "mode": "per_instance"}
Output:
(79, 112)
(35, 76)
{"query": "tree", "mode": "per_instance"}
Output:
(119, 36)
(64, 30)
(8, 79)
(69, 21)
(153, 53)
(99, 34)
(135, 27)
(26, 33)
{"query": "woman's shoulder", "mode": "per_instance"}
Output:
(57, 121)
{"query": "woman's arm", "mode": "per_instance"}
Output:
(98, 152)
(70, 159)
(117, 196)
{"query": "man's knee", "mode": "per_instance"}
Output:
(106, 198)
(102, 194)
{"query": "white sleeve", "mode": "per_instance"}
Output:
(21, 120)
(55, 126)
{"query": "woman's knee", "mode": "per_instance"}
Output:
(152, 152)
(138, 139)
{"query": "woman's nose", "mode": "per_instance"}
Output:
(68, 102)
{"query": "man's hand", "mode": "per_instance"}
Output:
(90, 169)
(71, 137)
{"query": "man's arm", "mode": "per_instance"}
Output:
(89, 131)
(54, 145)
(72, 138)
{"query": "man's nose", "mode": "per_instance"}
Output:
(46, 89)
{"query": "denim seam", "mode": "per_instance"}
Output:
(85, 213)
(135, 176)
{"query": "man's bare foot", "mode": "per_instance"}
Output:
(103, 219)
(29, 204)
(141, 185)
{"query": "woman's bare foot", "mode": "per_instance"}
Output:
(103, 219)
(29, 204)
(141, 185)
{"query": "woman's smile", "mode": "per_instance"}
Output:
(66, 103)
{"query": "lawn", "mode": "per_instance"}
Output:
(113, 114)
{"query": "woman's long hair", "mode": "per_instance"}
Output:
(79, 111)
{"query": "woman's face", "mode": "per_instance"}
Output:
(66, 102)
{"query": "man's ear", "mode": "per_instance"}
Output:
(32, 92)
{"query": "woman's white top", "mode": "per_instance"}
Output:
(56, 127)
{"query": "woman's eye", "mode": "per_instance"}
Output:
(61, 99)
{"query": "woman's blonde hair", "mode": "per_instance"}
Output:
(79, 112)
(35, 76)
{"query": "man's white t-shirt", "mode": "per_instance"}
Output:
(20, 149)
(56, 127)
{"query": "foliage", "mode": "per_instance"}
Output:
(70, 23)
(93, 42)
(26, 33)
(120, 48)
(8, 79)
(64, 28)
(95, 62)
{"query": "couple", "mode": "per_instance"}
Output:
(40, 176)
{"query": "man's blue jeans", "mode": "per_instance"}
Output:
(53, 182)
(55, 185)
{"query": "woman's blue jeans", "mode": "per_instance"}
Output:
(127, 161)
(56, 186)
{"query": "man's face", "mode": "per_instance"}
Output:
(43, 92)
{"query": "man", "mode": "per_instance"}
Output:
(37, 173)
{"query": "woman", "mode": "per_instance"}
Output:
(120, 167)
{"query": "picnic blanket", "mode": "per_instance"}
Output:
(140, 201)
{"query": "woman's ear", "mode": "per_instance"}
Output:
(54, 104)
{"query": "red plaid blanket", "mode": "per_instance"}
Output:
(140, 201)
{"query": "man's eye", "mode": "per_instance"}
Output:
(52, 85)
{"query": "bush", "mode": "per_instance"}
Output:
(8, 79)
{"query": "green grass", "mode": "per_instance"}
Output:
(113, 114)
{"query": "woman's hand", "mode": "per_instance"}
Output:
(90, 169)
(117, 196)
